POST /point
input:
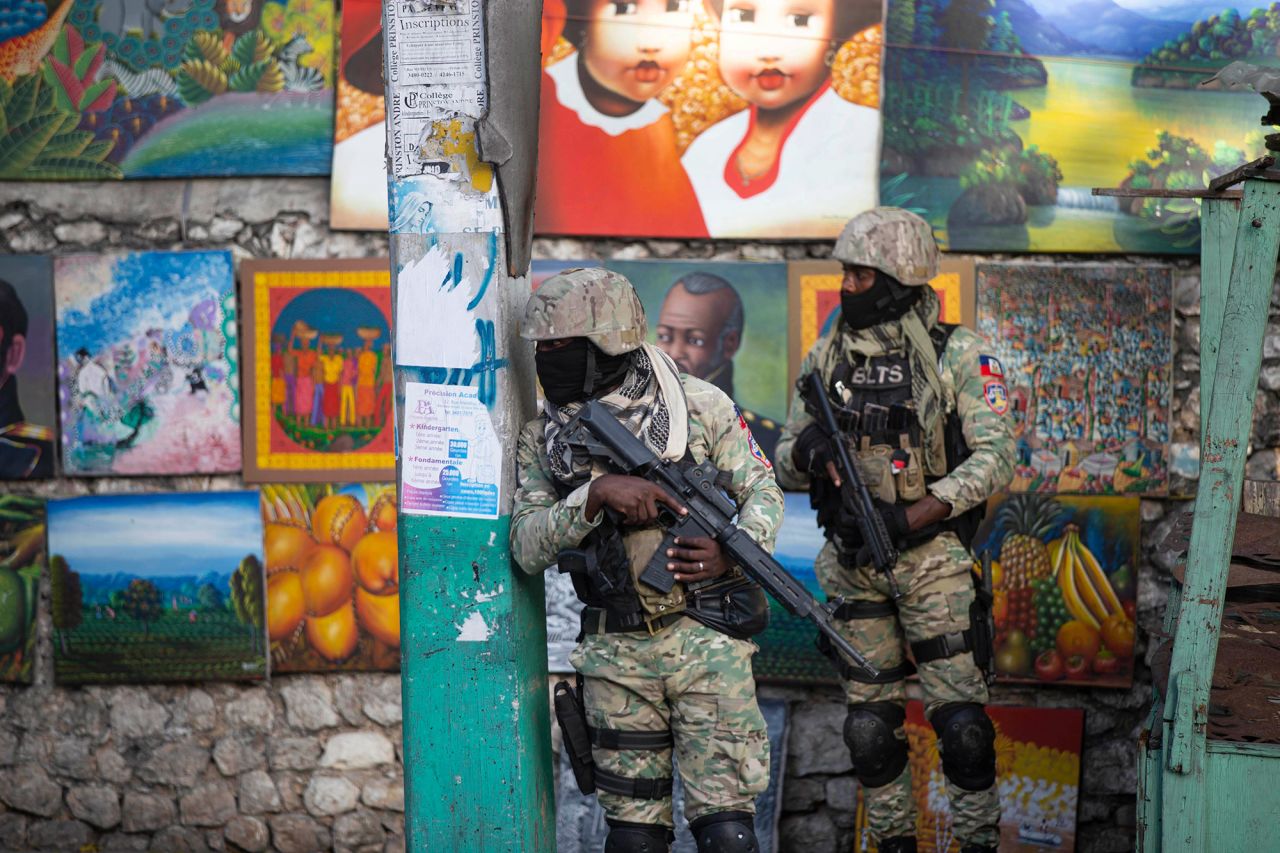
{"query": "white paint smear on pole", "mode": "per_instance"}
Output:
(434, 327)
(473, 629)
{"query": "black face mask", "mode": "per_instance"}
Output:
(577, 371)
(885, 300)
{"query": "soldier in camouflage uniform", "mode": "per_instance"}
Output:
(926, 414)
(656, 678)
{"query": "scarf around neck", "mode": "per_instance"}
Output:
(650, 402)
(910, 334)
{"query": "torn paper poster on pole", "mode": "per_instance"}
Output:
(451, 458)
(436, 75)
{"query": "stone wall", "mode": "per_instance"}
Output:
(308, 763)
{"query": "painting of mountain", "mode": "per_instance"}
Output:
(1107, 28)
(1002, 116)
(1039, 36)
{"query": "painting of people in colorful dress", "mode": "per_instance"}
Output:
(322, 370)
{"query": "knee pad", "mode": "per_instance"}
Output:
(725, 832)
(627, 837)
(878, 753)
(967, 740)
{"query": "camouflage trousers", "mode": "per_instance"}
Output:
(937, 590)
(696, 682)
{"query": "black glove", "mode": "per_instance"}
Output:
(895, 524)
(812, 451)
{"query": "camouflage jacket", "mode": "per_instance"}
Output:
(542, 524)
(983, 404)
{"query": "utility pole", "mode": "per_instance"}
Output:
(461, 106)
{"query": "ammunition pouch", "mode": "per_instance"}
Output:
(737, 607)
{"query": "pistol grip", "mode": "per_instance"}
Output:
(655, 574)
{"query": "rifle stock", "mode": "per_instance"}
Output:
(710, 514)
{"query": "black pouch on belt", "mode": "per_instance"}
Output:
(737, 607)
(572, 717)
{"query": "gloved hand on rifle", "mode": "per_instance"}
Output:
(895, 523)
(812, 452)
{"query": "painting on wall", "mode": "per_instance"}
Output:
(318, 370)
(28, 390)
(22, 560)
(1037, 773)
(724, 323)
(999, 120)
(358, 188)
(1064, 572)
(157, 587)
(814, 288)
(148, 363)
(333, 593)
(787, 651)
(1087, 354)
(752, 122)
(103, 89)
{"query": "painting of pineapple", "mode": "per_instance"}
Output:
(1027, 520)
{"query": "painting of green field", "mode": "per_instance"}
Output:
(157, 587)
(1001, 116)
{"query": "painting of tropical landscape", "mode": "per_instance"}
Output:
(1001, 116)
(157, 587)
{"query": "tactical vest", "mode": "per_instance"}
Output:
(874, 403)
(605, 570)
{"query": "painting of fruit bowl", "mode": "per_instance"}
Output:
(1064, 583)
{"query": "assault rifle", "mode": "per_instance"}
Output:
(710, 514)
(854, 495)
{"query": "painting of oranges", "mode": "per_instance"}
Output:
(333, 583)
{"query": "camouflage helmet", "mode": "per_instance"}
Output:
(596, 304)
(892, 240)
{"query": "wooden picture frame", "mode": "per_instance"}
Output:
(283, 442)
(813, 290)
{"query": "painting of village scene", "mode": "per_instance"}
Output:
(320, 356)
(22, 558)
(1086, 353)
(157, 587)
(103, 89)
(148, 363)
(1000, 116)
(333, 590)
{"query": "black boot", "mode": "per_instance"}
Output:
(897, 844)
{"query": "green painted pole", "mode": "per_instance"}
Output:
(476, 742)
(1226, 437)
